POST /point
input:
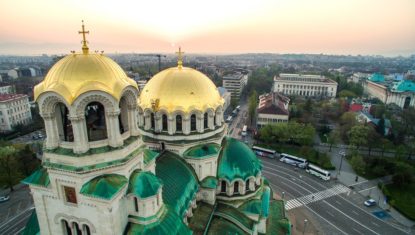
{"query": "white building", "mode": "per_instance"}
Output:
(226, 95)
(14, 110)
(272, 108)
(235, 84)
(6, 90)
(357, 77)
(305, 85)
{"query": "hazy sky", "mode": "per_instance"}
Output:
(385, 27)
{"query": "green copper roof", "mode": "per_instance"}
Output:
(39, 178)
(169, 223)
(265, 201)
(220, 225)
(149, 155)
(180, 183)
(104, 186)
(404, 85)
(235, 214)
(202, 151)
(32, 225)
(143, 184)
(376, 77)
(277, 223)
(252, 207)
(209, 182)
(237, 161)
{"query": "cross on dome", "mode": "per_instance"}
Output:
(180, 58)
(85, 48)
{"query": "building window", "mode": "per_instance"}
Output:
(66, 228)
(192, 122)
(70, 194)
(87, 230)
(179, 123)
(205, 121)
(136, 204)
(164, 122)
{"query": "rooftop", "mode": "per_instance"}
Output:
(303, 78)
(7, 97)
(104, 186)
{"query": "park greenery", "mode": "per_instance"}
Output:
(16, 162)
(288, 133)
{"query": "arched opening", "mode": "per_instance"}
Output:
(77, 229)
(95, 121)
(205, 121)
(164, 122)
(178, 123)
(64, 124)
(236, 187)
(223, 187)
(407, 102)
(193, 122)
(153, 124)
(214, 119)
(66, 228)
(86, 229)
(163, 146)
(123, 117)
(247, 185)
(136, 204)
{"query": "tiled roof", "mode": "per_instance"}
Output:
(6, 97)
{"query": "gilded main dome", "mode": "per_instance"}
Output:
(180, 88)
(78, 73)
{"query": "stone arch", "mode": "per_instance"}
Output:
(218, 116)
(164, 117)
(128, 107)
(109, 102)
(70, 219)
(179, 125)
(140, 115)
(63, 122)
(47, 102)
(96, 121)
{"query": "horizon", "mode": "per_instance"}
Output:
(342, 27)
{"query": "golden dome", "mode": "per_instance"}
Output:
(78, 73)
(180, 88)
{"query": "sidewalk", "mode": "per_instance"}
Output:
(348, 178)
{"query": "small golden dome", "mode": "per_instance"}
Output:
(180, 88)
(78, 73)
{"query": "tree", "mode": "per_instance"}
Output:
(308, 107)
(252, 105)
(27, 160)
(8, 165)
(403, 175)
(380, 128)
(346, 94)
(333, 138)
(358, 135)
(358, 164)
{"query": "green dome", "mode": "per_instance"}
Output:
(237, 161)
(104, 186)
(143, 184)
(202, 151)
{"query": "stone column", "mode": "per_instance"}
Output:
(52, 134)
(219, 118)
(229, 189)
(147, 122)
(132, 120)
(171, 125)
(242, 188)
(113, 129)
(211, 125)
(157, 123)
(81, 143)
(140, 119)
(252, 184)
(186, 124)
(199, 123)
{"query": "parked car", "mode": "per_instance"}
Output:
(370, 202)
(4, 198)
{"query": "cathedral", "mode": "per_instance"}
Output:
(119, 160)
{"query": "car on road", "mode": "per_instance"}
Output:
(4, 198)
(370, 202)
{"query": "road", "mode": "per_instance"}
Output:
(16, 224)
(339, 209)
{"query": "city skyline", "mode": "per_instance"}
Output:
(330, 27)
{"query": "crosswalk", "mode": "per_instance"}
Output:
(304, 200)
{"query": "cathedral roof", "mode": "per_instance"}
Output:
(38, 178)
(209, 182)
(104, 186)
(237, 161)
(202, 151)
(180, 183)
(143, 184)
(180, 88)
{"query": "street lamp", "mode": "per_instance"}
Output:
(305, 225)
(342, 154)
(283, 195)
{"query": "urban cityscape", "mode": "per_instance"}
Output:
(267, 117)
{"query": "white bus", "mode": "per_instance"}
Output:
(293, 160)
(244, 129)
(263, 152)
(317, 171)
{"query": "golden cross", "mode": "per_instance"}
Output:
(180, 57)
(84, 42)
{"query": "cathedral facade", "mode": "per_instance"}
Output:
(157, 161)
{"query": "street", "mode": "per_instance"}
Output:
(338, 209)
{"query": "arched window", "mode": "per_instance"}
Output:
(223, 187)
(64, 124)
(136, 204)
(66, 228)
(407, 102)
(214, 119)
(95, 121)
(123, 117)
(193, 122)
(164, 122)
(205, 121)
(86, 229)
(178, 123)
(247, 185)
(236, 187)
(152, 121)
(78, 230)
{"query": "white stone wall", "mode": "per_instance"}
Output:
(204, 167)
